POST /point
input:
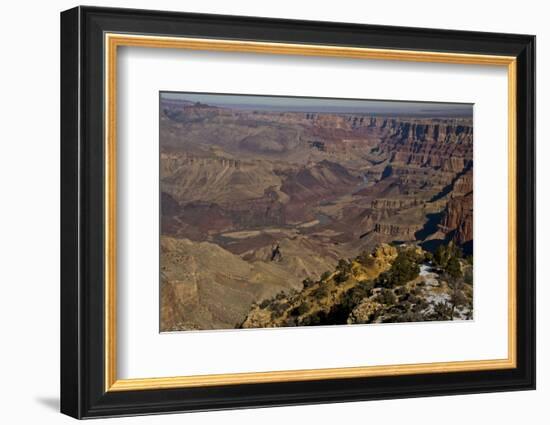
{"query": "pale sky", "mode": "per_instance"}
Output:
(312, 104)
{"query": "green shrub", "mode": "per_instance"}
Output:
(325, 275)
(447, 258)
(320, 292)
(386, 296)
(453, 268)
(444, 253)
(469, 276)
(365, 285)
(341, 277)
(278, 309)
(356, 294)
(343, 266)
(404, 269)
(442, 311)
(301, 309)
(307, 282)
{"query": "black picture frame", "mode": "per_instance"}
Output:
(83, 392)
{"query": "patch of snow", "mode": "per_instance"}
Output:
(425, 270)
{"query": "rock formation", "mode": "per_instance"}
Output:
(254, 201)
(388, 285)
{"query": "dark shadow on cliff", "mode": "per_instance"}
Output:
(432, 244)
(447, 189)
(468, 248)
(430, 227)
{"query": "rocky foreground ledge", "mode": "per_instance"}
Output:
(391, 284)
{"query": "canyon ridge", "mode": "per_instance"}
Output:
(301, 217)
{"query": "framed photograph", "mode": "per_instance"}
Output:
(261, 212)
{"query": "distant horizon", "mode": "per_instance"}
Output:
(325, 105)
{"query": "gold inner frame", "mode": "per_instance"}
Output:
(113, 41)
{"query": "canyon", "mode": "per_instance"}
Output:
(256, 202)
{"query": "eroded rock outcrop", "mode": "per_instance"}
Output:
(458, 217)
(318, 301)
(388, 285)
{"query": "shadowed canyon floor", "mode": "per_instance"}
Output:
(273, 218)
